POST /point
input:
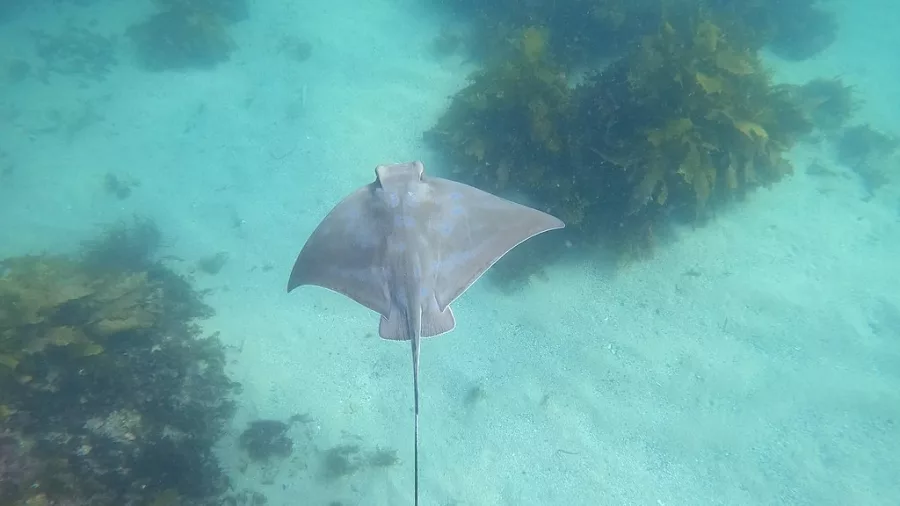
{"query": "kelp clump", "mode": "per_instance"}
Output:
(584, 29)
(108, 393)
(187, 34)
(508, 132)
(871, 154)
(265, 439)
(508, 127)
(793, 29)
(49, 302)
(684, 121)
(828, 103)
(228, 10)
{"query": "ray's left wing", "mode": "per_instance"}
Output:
(346, 252)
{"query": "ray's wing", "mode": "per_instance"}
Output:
(346, 251)
(471, 230)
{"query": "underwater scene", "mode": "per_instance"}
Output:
(230, 231)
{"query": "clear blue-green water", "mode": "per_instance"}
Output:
(751, 359)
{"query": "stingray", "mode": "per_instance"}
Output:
(406, 246)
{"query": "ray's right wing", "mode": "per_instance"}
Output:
(472, 230)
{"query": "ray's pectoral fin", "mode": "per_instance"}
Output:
(394, 326)
(343, 253)
(434, 323)
(473, 231)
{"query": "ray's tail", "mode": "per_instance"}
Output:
(415, 354)
(416, 451)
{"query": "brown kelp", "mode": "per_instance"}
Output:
(585, 30)
(685, 117)
(109, 395)
(793, 29)
(872, 154)
(509, 127)
(684, 121)
(828, 103)
(187, 34)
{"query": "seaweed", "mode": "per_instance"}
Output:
(295, 48)
(264, 439)
(508, 131)
(75, 51)
(588, 30)
(50, 302)
(475, 395)
(122, 247)
(186, 34)
(341, 461)
(382, 457)
(685, 117)
(870, 153)
(803, 30)
(346, 459)
(445, 43)
(793, 29)
(228, 10)
(16, 471)
(584, 30)
(828, 103)
(685, 121)
(212, 264)
(509, 125)
(120, 187)
(108, 393)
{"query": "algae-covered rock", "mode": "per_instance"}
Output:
(685, 121)
(181, 38)
(828, 103)
(687, 117)
(508, 128)
(109, 394)
(229, 10)
(53, 301)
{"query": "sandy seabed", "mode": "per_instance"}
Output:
(753, 361)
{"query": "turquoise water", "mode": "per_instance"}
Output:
(752, 360)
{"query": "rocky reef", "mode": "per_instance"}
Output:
(109, 392)
(681, 124)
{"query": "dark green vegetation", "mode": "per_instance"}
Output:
(792, 29)
(212, 264)
(187, 34)
(829, 103)
(871, 154)
(510, 125)
(178, 35)
(585, 30)
(117, 186)
(109, 395)
(684, 121)
(265, 439)
(275, 446)
(228, 10)
(73, 51)
(344, 460)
